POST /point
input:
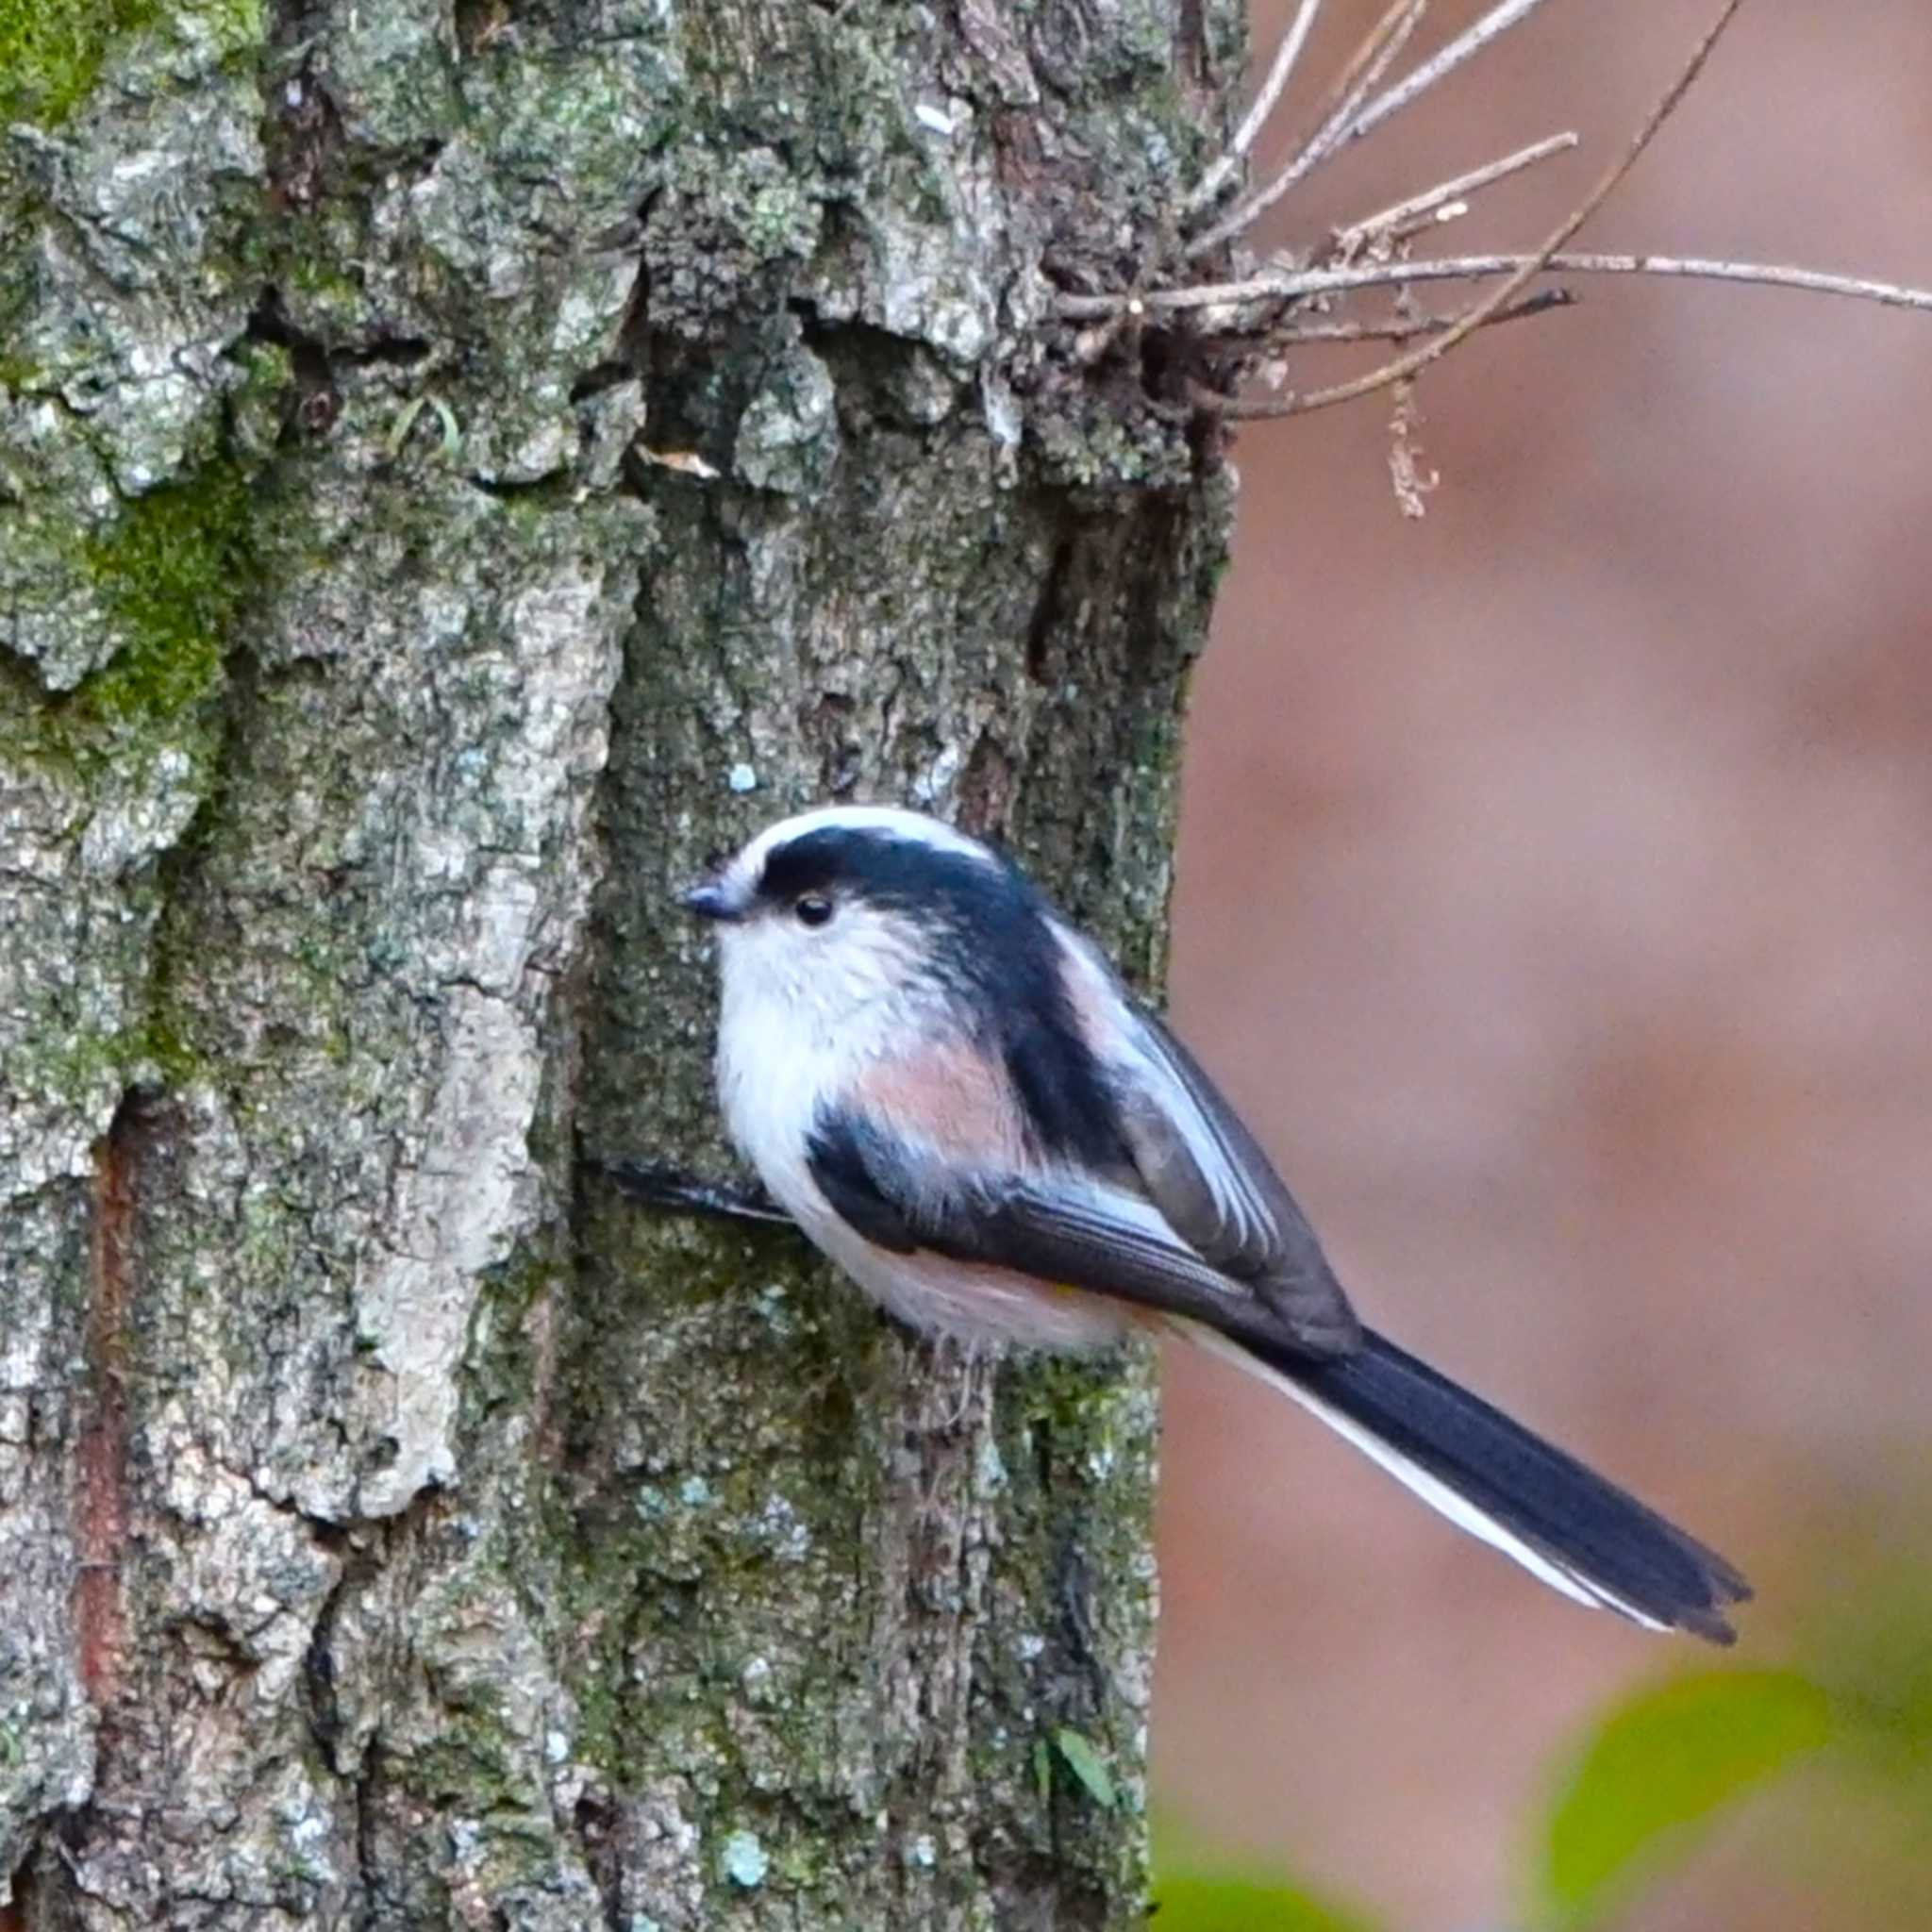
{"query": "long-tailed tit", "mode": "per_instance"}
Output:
(952, 1092)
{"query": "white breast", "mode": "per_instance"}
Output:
(770, 1080)
(775, 1066)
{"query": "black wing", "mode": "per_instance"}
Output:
(1102, 1240)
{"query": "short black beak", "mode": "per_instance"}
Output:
(709, 900)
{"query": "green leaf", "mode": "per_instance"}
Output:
(1659, 1766)
(1084, 1762)
(399, 431)
(1191, 1902)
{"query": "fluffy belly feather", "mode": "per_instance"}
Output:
(975, 1302)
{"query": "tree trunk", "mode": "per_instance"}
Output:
(455, 473)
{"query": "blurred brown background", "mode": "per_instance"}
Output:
(1556, 900)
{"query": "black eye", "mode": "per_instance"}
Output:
(814, 909)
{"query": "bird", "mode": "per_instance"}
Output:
(951, 1090)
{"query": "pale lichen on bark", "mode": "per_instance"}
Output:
(457, 468)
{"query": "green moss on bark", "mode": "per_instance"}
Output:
(51, 52)
(174, 571)
(171, 572)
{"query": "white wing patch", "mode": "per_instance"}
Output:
(1247, 1214)
(1246, 1230)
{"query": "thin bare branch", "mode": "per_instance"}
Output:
(1293, 284)
(1366, 66)
(1371, 56)
(1403, 330)
(1767, 274)
(1355, 233)
(1405, 367)
(1463, 48)
(1289, 51)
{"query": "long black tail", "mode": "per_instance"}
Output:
(1564, 1523)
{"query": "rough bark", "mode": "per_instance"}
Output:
(455, 471)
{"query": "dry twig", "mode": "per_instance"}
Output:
(1405, 367)
(1459, 50)
(1366, 66)
(1256, 310)
(1351, 120)
(1348, 238)
(1289, 51)
(1286, 285)
(1400, 329)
